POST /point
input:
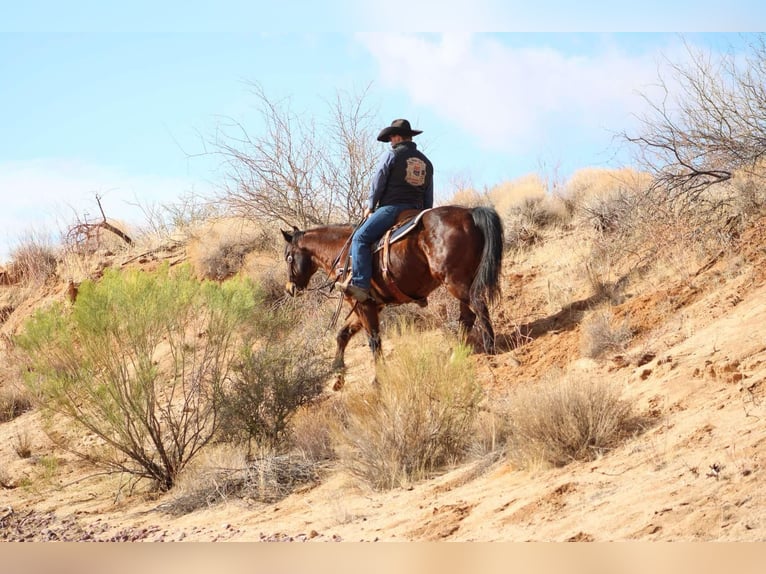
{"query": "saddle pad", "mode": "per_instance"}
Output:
(400, 230)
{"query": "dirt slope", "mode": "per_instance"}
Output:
(696, 369)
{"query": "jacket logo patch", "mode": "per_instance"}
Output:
(416, 171)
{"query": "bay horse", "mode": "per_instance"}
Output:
(458, 247)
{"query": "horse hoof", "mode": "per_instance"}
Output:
(338, 366)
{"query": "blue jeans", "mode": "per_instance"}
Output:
(368, 234)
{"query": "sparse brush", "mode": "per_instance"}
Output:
(267, 477)
(311, 429)
(219, 249)
(417, 421)
(14, 401)
(558, 422)
(602, 332)
(22, 446)
(34, 260)
(268, 386)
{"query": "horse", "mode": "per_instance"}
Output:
(458, 247)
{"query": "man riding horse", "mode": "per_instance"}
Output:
(403, 180)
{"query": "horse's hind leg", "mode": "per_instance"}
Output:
(351, 328)
(467, 319)
(484, 326)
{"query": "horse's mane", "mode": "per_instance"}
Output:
(333, 232)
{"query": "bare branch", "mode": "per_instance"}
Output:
(711, 124)
(291, 172)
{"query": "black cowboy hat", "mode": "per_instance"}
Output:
(397, 128)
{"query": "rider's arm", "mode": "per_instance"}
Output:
(380, 179)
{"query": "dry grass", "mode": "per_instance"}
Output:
(218, 249)
(311, 429)
(527, 209)
(603, 333)
(559, 421)
(419, 419)
(227, 475)
(34, 260)
(14, 401)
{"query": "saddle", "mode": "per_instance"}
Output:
(406, 223)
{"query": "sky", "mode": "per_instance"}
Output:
(122, 99)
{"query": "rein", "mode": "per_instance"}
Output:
(346, 247)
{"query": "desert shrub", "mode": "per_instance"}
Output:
(14, 401)
(602, 332)
(22, 446)
(267, 477)
(219, 247)
(418, 419)
(526, 209)
(556, 422)
(34, 260)
(140, 360)
(311, 429)
(268, 386)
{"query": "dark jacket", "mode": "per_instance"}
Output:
(404, 177)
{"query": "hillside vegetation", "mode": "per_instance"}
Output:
(625, 402)
(159, 385)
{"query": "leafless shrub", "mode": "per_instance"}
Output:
(267, 478)
(706, 123)
(293, 172)
(87, 236)
(560, 421)
(180, 218)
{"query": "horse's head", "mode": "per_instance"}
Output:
(300, 264)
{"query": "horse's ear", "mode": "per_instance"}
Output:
(287, 236)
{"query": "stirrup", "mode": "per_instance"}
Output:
(357, 293)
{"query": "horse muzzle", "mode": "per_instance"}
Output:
(290, 288)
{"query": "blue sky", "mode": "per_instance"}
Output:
(115, 102)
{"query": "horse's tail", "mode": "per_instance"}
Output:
(487, 280)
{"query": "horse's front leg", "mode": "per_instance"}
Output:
(369, 315)
(351, 328)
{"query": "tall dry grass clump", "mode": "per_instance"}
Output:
(14, 401)
(555, 422)
(527, 209)
(218, 248)
(33, 260)
(417, 420)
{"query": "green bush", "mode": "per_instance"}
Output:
(268, 387)
(140, 360)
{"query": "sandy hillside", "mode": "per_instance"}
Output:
(694, 370)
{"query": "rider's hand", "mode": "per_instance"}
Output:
(366, 213)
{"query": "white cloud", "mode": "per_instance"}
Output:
(510, 98)
(46, 195)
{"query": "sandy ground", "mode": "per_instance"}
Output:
(696, 369)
